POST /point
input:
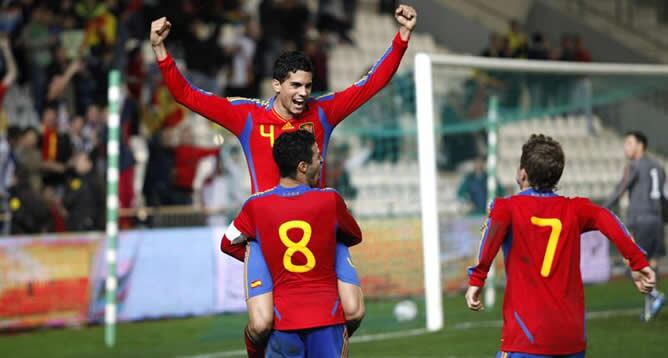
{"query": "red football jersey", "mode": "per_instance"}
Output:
(543, 307)
(297, 229)
(257, 125)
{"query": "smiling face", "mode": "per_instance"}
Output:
(292, 93)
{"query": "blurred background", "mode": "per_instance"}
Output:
(182, 178)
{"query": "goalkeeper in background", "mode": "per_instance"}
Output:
(543, 306)
(645, 180)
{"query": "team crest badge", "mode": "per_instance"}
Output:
(307, 127)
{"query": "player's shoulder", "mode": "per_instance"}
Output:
(260, 195)
(323, 98)
(326, 191)
(253, 102)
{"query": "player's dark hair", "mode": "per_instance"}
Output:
(291, 148)
(290, 62)
(543, 160)
(639, 136)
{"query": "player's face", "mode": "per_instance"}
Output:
(292, 93)
(631, 147)
(313, 169)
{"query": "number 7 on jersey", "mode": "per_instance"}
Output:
(555, 225)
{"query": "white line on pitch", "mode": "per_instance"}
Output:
(417, 332)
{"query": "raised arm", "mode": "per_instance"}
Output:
(339, 105)
(630, 176)
(217, 109)
(11, 73)
(348, 232)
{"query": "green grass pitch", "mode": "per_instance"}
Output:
(614, 331)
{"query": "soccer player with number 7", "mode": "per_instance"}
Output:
(258, 123)
(297, 227)
(543, 308)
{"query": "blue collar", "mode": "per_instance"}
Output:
(534, 192)
(293, 191)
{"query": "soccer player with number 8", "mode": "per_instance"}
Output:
(543, 308)
(258, 123)
(297, 226)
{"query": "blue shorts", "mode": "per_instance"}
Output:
(325, 342)
(528, 355)
(258, 279)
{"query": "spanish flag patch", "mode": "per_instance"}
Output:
(256, 284)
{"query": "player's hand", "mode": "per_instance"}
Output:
(159, 31)
(473, 298)
(406, 16)
(645, 279)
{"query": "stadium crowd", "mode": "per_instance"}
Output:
(57, 55)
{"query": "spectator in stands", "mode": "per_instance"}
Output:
(157, 182)
(29, 159)
(517, 40)
(8, 140)
(201, 38)
(473, 188)
(60, 74)
(337, 175)
(93, 131)
(582, 54)
(568, 50)
(187, 157)
(293, 15)
(79, 141)
(57, 211)
(315, 49)
(100, 26)
(135, 72)
(83, 199)
(538, 83)
(242, 81)
(10, 69)
(56, 149)
(36, 40)
(29, 213)
(332, 17)
(538, 50)
(496, 47)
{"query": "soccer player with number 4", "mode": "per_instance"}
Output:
(543, 307)
(297, 227)
(258, 123)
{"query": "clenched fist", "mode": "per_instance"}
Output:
(159, 31)
(406, 16)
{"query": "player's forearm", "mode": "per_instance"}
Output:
(10, 75)
(615, 231)
(405, 33)
(160, 52)
(493, 236)
(238, 251)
